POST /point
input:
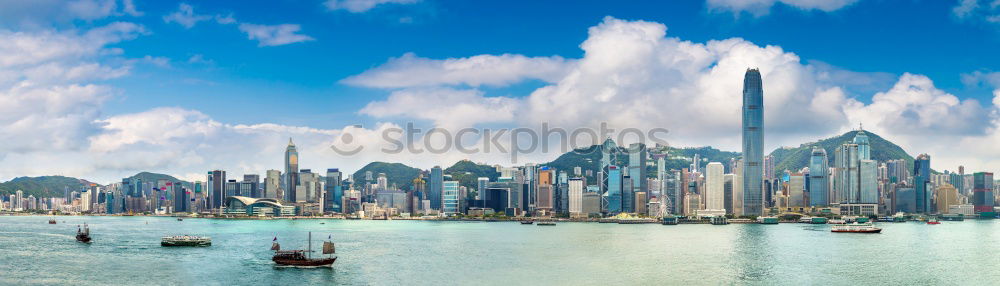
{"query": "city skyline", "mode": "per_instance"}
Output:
(122, 122)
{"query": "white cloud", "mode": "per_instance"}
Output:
(274, 35)
(446, 107)
(763, 7)
(360, 6)
(185, 16)
(633, 75)
(977, 10)
(413, 71)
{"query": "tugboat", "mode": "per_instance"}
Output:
(186, 240)
(856, 228)
(302, 258)
(83, 235)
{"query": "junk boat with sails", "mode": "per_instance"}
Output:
(83, 235)
(303, 258)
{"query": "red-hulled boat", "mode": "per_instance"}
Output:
(303, 258)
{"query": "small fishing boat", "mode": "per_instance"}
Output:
(180, 219)
(83, 235)
(856, 228)
(186, 240)
(52, 221)
(303, 258)
(527, 222)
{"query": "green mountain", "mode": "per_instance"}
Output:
(467, 173)
(43, 187)
(678, 158)
(798, 157)
(397, 173)
(154, 177)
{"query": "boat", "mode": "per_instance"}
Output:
(933, 221)
(767, 220)
(83, 235)
(527, 222)
(52, 221)
(546, 223)
(186, 240)
(303, 258)
(180, 219)
(856, 228)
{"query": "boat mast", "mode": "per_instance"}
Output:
(310, 248)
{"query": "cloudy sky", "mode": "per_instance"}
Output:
(102, 89)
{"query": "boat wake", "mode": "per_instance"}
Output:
(40, 233)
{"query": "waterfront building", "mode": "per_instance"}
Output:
(613, 196)
(576, 197)
(291, 178)
(982, 192)
(796, 192)
(637, 172)
(272, 183)
(435, 187)
(727, 189)
(216, 181)
(753, 143)
(715, 186)
(449, 197)
(818, 179)
(544, 195)
(905, 200)
(609, 152)
(947, 196)
(333, 192)
(921, 183)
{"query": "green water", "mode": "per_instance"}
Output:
(126, 251)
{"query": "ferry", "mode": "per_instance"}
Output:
(856, 228)
(186, 240)
(527, 222)
(767, 220)
(933, 221)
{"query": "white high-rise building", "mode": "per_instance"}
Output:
(714, 186)
(576, 197)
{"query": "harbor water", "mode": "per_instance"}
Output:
(127, 251)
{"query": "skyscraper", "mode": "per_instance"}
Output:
(753, 143)
(272, 182)
(818, 179)
(333, 192)
(291, 171)
(449, 197)
(216, 188)
(922, 183)
(637, 172)
(714, 186)
(435, 187)
(982, 192)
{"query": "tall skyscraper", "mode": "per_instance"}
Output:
(982, 192)
(291, 171)
(609, 152)
(544, 195)
(435, 187)
(254, 182)
(753, 143)
(637, 172)
(576, 197)
(922, 183)
(818, 180)
(216, 188)
(272, 182)
(614, 190)
(333, 192)
(847, 183)
(714, 186)
(449, 197)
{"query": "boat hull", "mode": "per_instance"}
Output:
(185, 243)
(304, 263)
(83, 239)
(859, 231)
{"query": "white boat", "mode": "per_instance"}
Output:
(186, 240)
(856, 228)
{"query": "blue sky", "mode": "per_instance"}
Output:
(307, 69)
(871, 36)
